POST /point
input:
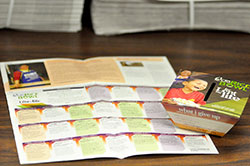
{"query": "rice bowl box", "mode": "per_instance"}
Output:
(206, 103)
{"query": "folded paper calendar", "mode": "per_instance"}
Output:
(112, 110)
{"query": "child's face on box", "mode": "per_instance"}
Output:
(195, 85)
(185, 73)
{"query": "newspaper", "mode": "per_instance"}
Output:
(111, 17)
(67, 109)
(35, 15)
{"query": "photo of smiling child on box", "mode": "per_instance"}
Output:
(206, 103)
(189, 92)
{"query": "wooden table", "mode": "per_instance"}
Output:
(222, 53)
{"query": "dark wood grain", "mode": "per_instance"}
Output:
(223, 53)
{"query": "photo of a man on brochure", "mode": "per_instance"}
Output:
(27, 75)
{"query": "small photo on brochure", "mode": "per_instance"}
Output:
(27, 75)
(131, 64)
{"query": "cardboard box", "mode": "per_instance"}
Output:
(206, 103)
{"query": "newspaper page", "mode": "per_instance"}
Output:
(67, 109)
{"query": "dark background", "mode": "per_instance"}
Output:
(223, 53)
